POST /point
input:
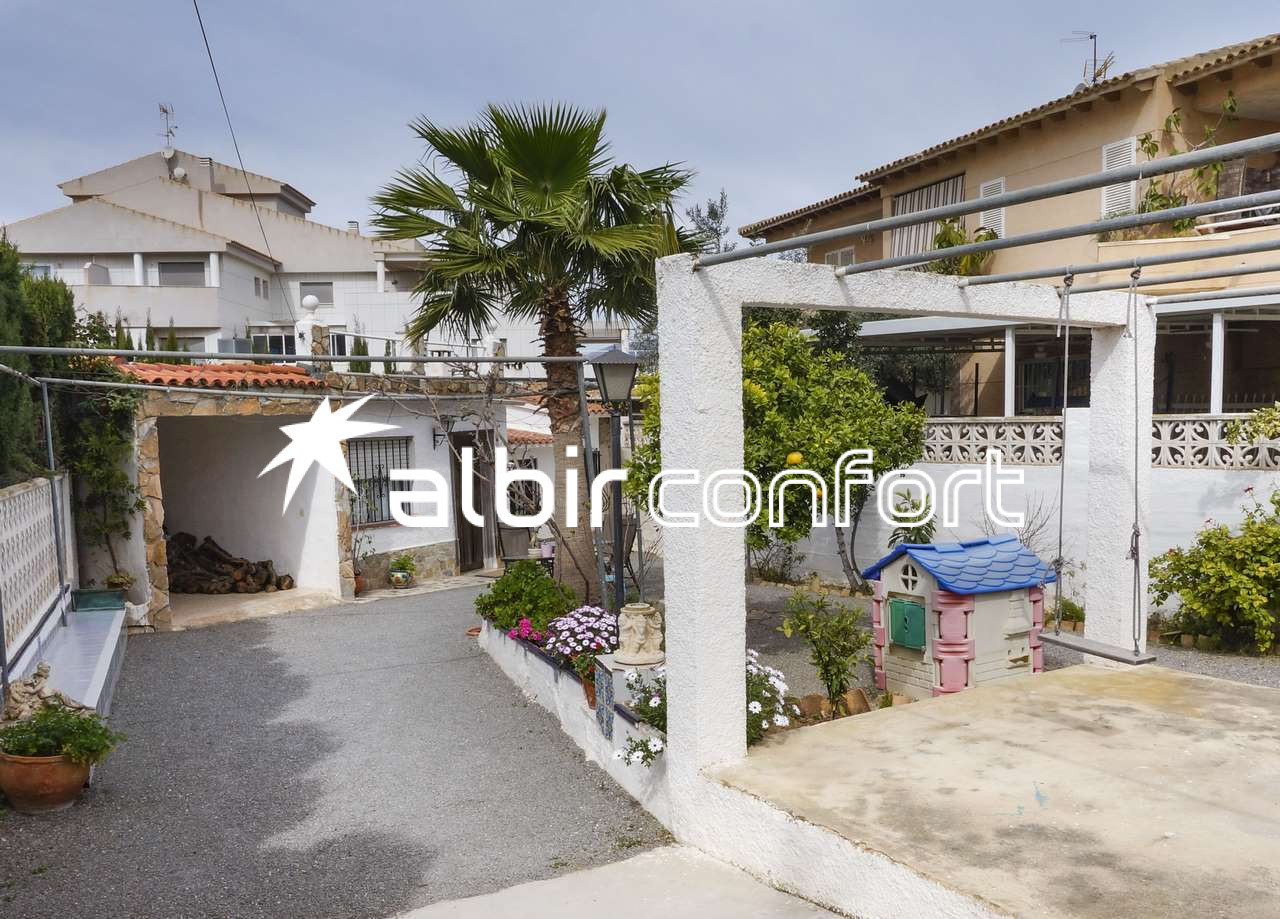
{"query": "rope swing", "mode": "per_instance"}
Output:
(1079, 642)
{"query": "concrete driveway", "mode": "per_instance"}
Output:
(359, 760)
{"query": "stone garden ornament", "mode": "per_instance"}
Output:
(639, 636)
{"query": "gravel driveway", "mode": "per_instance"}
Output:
(355, 761)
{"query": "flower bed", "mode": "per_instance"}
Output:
(555, 686)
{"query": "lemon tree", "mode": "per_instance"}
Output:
(797, 400)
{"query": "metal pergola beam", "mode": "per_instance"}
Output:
(1264, 144)
(1231, 294)
(1106, 225)
(1210, 274)
(1122, 264)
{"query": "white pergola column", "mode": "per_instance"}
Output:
(700, 366)
(1217, 362)
(1118, 389)
(139, 272)
(1010, 374)
(381, 266)
(215, 270)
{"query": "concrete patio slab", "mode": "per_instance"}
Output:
(194, 611)
(674, 882)
(1083, 792)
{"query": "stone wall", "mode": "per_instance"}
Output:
(438, 560)
(181, 404)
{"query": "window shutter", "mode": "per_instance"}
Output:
(1121, 198)
(994, 218)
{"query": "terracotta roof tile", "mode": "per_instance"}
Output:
(520, 437)
(853, 195)
(224, 376)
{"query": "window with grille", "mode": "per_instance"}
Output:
(1121, 198)
(919, 238)
(992, 219)
(371, 460)
(524, 497)
(840, 257)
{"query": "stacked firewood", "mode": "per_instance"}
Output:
(206, 568)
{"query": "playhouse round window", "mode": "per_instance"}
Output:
(910, 577)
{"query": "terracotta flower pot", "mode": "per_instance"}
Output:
(360, 584)
(39, 784)
(589, 690)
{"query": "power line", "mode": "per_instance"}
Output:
(240, 159)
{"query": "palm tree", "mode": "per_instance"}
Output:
(523, 212)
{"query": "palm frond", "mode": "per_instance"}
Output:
(467, 149)
(549, 151)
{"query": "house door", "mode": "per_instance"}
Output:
(471, 538)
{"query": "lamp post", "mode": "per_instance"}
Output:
(615, 372)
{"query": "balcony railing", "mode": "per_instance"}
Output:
(1021, 441)
(1177, 442)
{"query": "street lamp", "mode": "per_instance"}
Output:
(615, 372)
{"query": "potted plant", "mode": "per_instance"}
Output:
(45, 759)
(361, 549)
(401, 571)
(577, 637)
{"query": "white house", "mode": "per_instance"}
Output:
(228, 256)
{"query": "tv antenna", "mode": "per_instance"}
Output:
(170, 128)
(1097, 70)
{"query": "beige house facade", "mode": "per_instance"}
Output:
(1094, 128)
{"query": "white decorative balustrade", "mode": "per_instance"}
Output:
(28, 558)
(1021, 441)
(1201, 442)
(1177, 442)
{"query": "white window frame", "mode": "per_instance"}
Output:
(287, 343)
(311, 287)
(40, 271)
(160, 272)
(840, 257)
(1123, 196)
(992, 219)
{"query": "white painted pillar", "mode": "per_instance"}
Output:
(700, 364)
(1010, 373)
(1217, 362)
(1119, 388)
(139, 272)
(215, 270)
(381, 267)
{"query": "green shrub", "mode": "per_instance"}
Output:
(403, 563)
(1070, 611)
(1229, 583)
(79, 736)
(837, 641)
(525, 591)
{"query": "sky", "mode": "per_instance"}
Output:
(779, 104)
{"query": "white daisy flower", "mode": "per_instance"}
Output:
(781, 720)
(764, 725)
(753, 707)
(655, 701)
(655, 745)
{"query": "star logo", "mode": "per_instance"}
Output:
(320, 441)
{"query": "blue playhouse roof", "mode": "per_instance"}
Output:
(980, 566)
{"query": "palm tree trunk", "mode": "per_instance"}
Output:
(575, 551)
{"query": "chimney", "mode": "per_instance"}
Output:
(206, 165)
(353, 226)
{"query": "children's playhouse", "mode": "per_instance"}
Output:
(950, 616)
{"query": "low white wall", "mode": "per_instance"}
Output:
(1183, 499)
(561, 694)
(209, 476)
(745, 831)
